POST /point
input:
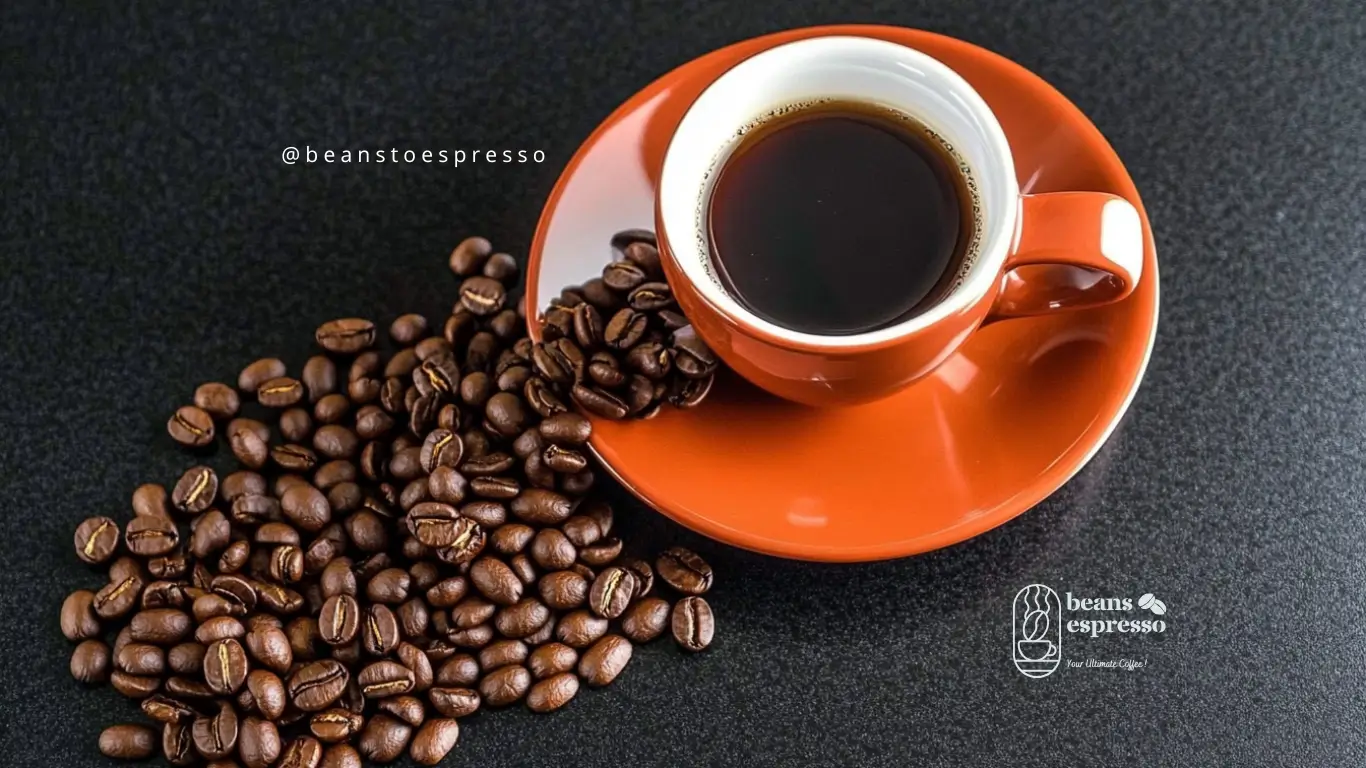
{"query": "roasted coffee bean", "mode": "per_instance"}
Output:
(374, 460)
(172, 566)
(581, 531)
(540, 395)
(482, 296)
(512, 538)
(447, 485)
(459, 671)
(506, 414)
(476, 389)
(455, 701)
(580, 629)
(372, 422)
(128, 742)
(385, 678)
(414, 493)
(640, 395)
(216, 737)
(611, 592)
(495, 463)
(379, 631)
(90, 662)
(338, 578)
(389, 586)
(133, 686)
(645, 620)
(191, 426)
(409, 709)
(340, 756)
(305, 638)
(622, 241)
(650, 297)
(408, 329)
(161, 626)
(650, 358)
(296, 425)
(287, 564)
(693, 624)
(401, 365)
(367, 531)
(596, 292)
(505, 686)
(472, 612)
(318, 684)
(268, 691)
(495, 487)
(319, 377)
(501, 267)
(599, 402)
(552, 693)
(542, 507)
(384, 738)
(339, 620)
(605, 372)
(435, 739)
(684, 570)
(538, 475)
(602, 552)
(439, 376)
(277, 534)
(470, 255)
(415, 660)
(306, 507)
(278, 599)
(294, 458)
(254, 509)
(502, 653)
(433, 347)
(447, 592)
(474, 637)
(624, 276)
(219, 628)
(346, 336)
(151, 536)
(225, 667)
(552, 659)
(195, 491)
(564, 460)
(495, 580)
(547, 365)
(336, 442)
(335, 725)
(210, 533)
(253, 376)
(258, 743)
(96, 539)
(442, 448)
(392, 395)
(121, 594)
(552, 550)
(513, 379)
(281, 392)
(521, 619)
(436, 524)
(601, 663)
(522, 566)
(625, 329)
(164, 709)
(186, 658)
(563, 590)
(566, 429)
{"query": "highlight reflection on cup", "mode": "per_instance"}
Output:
(1036, 630)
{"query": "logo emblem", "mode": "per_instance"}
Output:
(1036, 631)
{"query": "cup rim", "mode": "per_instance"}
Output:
(991, 254)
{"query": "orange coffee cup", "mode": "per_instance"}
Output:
(1030, 254)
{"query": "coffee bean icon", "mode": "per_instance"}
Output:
(1148, 602)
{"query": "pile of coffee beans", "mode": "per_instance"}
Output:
(618, 344)
(408, 538)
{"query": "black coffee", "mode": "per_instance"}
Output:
(839, 218)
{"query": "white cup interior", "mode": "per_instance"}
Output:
(851, 68)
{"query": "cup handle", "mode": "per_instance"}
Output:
(1073, 250)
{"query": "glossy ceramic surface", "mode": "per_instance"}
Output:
(1003, 423)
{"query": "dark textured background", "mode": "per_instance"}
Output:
(150, 238)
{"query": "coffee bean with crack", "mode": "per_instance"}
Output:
(482, 296)
(439, 376)
(612, 592)
(191, 426)
(385, 678)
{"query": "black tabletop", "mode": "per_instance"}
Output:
(151, 238)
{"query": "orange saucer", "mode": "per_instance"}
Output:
(1001, 425)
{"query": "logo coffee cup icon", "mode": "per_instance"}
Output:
(1036, 619)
